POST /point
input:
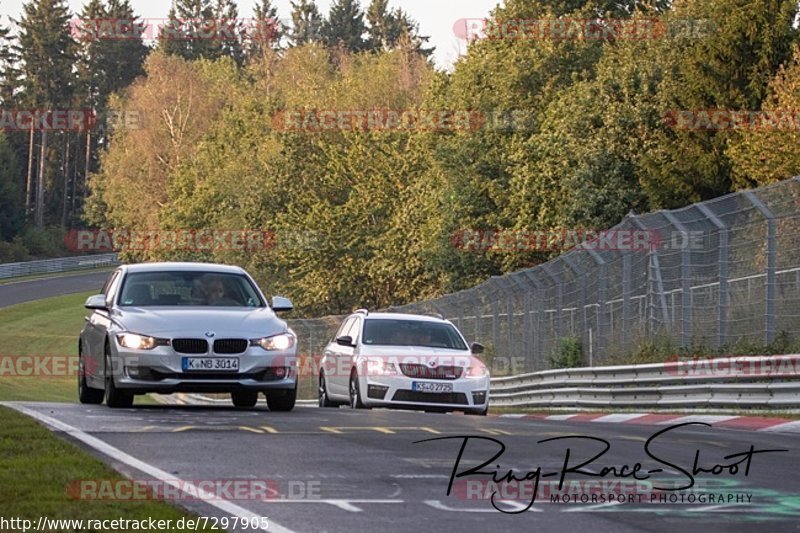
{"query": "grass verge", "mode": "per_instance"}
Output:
(38, 468)
(47, 329)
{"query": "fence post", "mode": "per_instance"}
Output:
(495, 327)
(724, 297)
(537, 326)
(686, 281)
(504, 284)
(547, 267)
(626, 298)
(580, 279)
(769, 318)
(602, 301)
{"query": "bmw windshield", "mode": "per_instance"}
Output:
(178, 288)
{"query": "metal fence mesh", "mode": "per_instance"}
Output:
(721, 272)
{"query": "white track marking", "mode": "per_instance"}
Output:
(168, 479)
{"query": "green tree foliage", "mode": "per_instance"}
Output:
(344, 27)
(564, 132)
(11, 200)
(307, 23)
(266, 31)
(727, 67)
(47, 53)
(9, 73)
(201, 29)
(180, 101)
(766, 154)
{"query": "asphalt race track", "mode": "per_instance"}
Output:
(346, 470)
(16, 292)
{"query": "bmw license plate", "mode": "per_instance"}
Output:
(230, 364)
(422, 386)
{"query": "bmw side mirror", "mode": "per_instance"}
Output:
(96, 301)
(345, 340)
(279, 303)
(476, 348)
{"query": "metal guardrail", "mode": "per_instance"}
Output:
(738, 382)
(60, 264)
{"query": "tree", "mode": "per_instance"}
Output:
(768, 152)
(230, 31)
(9, 74)
(12, 215)
(47, 54)
(383, 30)
(387, 29)
(125, 59)
(183, 99)
(266, 31)
(345, 26)
(728, 69)
(307, 23)
(510, 83)
(107, 63)
(193, 30)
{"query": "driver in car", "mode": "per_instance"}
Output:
(213, 291)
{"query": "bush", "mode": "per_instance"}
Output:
(13, 252)
(43, 243)
(568, 354)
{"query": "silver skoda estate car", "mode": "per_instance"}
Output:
(186, 327)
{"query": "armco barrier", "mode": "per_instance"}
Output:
(61, 264)
(732, 382)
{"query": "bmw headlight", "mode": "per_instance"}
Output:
(134, 341)
(280, 342)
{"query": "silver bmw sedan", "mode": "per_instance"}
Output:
(186, 327)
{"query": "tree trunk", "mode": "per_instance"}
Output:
(40, 183)
(65, 197)
(88, 157)
(75, 175)
(29, 186)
